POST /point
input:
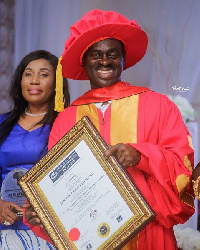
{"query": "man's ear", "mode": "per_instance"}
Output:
(123, 63)
(83, 60)
(83, 63)
(124, 57)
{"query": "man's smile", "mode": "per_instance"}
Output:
(105, 74)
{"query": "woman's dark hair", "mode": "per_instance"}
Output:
(19, 103)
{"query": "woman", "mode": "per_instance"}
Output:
(24, 135)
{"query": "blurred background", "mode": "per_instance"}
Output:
(171, 65)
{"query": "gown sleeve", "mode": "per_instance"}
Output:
(167, 158)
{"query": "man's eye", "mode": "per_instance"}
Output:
(113, 55)
(95, 55)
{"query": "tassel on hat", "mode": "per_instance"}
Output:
(59, 98)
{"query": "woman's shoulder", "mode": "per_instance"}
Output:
(4, 116)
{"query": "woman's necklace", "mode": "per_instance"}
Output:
(27, 113)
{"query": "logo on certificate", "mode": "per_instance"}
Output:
(93, 214)
(119, 218)
(89, 246)
(103, 230)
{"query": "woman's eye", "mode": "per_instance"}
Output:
(44, 75)
(27, 74)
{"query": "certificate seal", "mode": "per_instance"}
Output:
(74, 234)
(103, 230)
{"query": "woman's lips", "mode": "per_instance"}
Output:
(34, 91)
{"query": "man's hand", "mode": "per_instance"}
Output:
(31, 215)
(7, 214)
(126, 154)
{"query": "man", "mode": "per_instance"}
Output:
(144, 128)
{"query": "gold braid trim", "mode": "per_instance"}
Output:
(182, 181)
(196, 188)
(59, 98)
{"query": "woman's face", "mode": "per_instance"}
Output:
(38, 82)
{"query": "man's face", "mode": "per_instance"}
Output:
(104, 62)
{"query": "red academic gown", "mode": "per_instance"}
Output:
(153, 125)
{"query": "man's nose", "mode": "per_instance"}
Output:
(105, 60)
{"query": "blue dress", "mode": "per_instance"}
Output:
(21, 149)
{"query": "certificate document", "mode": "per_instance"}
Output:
(84, 201)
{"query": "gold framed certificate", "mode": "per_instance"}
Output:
(82, 200)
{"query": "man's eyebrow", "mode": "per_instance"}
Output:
(110, 49)
(95, 50)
